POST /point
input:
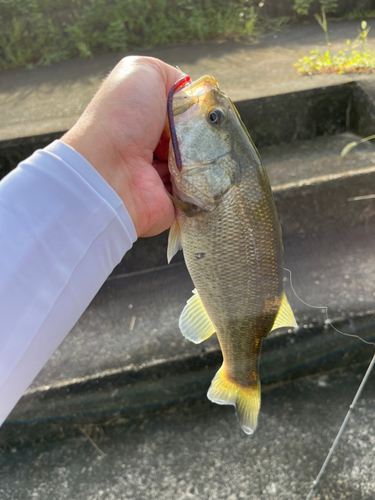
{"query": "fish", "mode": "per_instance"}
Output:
(228, 228)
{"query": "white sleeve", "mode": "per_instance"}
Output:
(62, 231)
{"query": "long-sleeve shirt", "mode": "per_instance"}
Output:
(62, 231)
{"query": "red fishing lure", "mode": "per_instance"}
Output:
(182, 82)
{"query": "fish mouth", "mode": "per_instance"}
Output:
(201, 86)
(193, 93)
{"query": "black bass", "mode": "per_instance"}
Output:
(227, 225)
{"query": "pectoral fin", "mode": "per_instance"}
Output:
(285, 316)
(174, 241)
(185, 206)
(195, 325)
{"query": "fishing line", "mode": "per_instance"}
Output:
(342, 428)
(325, 308)
(356, 397)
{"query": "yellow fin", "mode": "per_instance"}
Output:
(178, 203)
(174, 241)
(245, 399)
(195, 325)
(285, 316)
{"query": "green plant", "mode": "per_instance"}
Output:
(35, 32)
(362, 35)
(357, 14)
(322, 21)
(353, 144)
(302, 7)
(250, 22)
(329, 5)
(116, 36)
(350, 60)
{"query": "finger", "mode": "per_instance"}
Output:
(170, 75)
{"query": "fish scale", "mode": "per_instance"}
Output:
(236, 304)
(227, 225)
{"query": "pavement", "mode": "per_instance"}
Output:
(127, 418)
(195, 450)
(50, 99)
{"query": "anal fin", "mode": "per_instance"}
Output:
(195, 325)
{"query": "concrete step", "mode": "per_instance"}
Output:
(295, 162)
(196, 450)
(126, 351)
(104, 419)
(118, 357)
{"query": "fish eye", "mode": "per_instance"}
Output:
(216, 116)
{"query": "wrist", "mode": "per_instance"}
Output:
(108, 163)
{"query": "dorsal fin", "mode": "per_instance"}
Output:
(285, 316)
(195, 325)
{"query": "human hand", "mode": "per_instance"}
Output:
(119, 132)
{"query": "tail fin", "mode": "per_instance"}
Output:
(245, 399)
